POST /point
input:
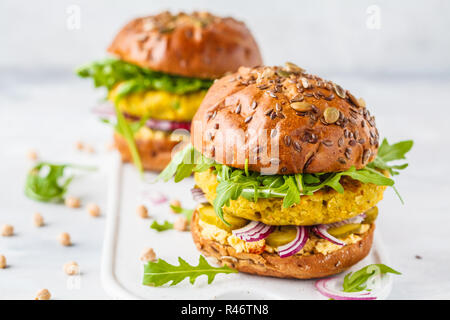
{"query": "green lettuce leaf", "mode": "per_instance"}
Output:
(48, 182)
(132, 78)
(161, 227)
(186, 212)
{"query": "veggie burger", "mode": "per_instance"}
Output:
(289, 169)
(164, 66)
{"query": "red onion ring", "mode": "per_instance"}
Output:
(198, 195)
(163, 125)
(155, 197)
(254, 231)
(324, 288)
(295, 245)
(358, 219)
(321, 231)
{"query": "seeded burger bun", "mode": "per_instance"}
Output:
(295, 266)
(196, 45)
(319, 126)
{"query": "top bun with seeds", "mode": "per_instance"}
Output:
(282, 120)
(197, 45)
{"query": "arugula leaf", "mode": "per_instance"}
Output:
(160, 272)
(388, 153)
(132, 78)
(161, 227)
(125, 129)
(186, 212)
(184, 163)
(357, 281)
(48, 182)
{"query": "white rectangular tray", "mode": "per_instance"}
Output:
(127, 235)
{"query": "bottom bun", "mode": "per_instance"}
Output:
(155, 154)
(296, 266)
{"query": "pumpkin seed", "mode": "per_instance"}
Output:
(292, 67)
(361, 103)
(301, 106)
(331, 115)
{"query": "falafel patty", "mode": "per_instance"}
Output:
(323, 207)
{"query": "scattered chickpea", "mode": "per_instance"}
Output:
(181, 224)
(110, 146)
(38, 220)
(90, 149)
(2, 261)
(32, 155)
(64, 239)
(147, 255)
(7, 230)
(72, 202)
(43, 294)
(93, 210)
(79, 145)
(71, 268)
(175, 203)
(142, 211)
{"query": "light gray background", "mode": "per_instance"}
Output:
(402, 70)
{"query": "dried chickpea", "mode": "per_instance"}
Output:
(147, 255)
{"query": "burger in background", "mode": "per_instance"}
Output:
(164, 66)
(289, 169)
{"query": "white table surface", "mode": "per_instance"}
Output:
(49, 112)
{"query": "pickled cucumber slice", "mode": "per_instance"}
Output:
(345, 230)
(371, 215)
(281, 235)
(206, 213)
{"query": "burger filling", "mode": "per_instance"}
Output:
(303, 213)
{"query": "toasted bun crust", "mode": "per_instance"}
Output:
(296, 266)
(196, 45)
(318, 126)
(155, 154)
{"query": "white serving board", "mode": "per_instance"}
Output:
(127, 235)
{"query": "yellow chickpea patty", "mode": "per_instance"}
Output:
(323, 207)
(160, 105)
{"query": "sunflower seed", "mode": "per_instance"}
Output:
(339, 91)
(297, 146)
(301, 106)
(287, 140)
(366, 156)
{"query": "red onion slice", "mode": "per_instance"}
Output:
(104, 110)
(254, 231)
(295, 245)
(321, 231)
(198, 195)
(163, 125)
(166, 125)
(324, 286)
(155, 198)
(358, 219)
